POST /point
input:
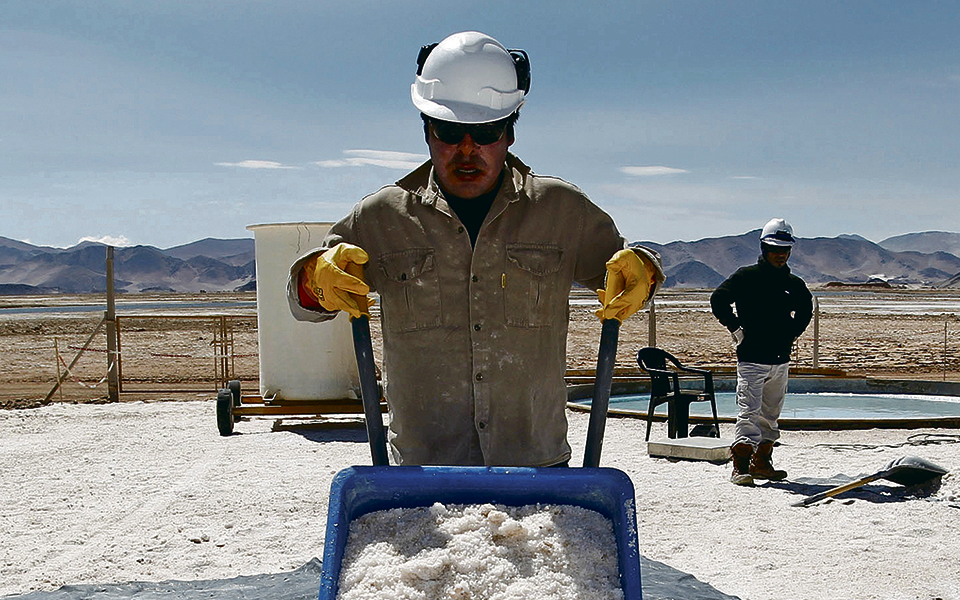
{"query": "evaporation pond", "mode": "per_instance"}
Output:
(820, 405)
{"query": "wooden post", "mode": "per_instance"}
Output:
(113, 388)
(223, 352)
(222, 377)
(119, 358)
(652, 325)
(56, 350)
(230, 348)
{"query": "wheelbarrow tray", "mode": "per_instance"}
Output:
(356, 491)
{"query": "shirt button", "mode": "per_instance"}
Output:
(474, 279)
(479, 376)
(476, 327)
(460, 229)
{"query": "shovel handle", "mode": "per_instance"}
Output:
(606, 359)
(837, 490)
(369, 390)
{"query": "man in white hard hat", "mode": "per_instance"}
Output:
(473, 256)
(773, 308)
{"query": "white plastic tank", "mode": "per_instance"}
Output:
(298, 360)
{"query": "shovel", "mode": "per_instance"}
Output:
(369, 390)
(906, 470)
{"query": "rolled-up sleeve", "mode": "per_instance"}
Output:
(299, 312)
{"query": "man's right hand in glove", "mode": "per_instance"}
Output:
(325, 278)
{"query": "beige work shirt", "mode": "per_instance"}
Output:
(474, 338)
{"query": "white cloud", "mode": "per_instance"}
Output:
(651, 171)
(109, 240)
(256, 164)
(387, 159)
(743, 177)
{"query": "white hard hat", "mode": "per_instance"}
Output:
(470, 77)
(777, 232)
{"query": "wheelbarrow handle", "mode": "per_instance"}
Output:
(606, 359)
(369, 390)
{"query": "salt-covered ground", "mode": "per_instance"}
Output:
(149, 492)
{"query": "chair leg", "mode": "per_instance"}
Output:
(649, 420)
(679, 418)
(716, 419)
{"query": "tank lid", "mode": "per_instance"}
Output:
(289, 224)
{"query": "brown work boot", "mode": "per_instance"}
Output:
(741, 464)
(761, 465)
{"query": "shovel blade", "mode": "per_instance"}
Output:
(912, 470)
(906, 470)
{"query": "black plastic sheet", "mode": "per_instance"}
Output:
(660, 582)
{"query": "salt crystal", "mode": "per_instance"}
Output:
(481, 552)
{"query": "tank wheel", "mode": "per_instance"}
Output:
(225, 412)
(234, 386)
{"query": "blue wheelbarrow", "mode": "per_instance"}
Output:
(359, 490)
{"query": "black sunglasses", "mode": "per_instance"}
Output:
(483, 133)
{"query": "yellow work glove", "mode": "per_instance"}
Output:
(335, 279)
(628, 285)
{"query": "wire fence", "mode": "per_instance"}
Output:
(200, 352)
(908, 335)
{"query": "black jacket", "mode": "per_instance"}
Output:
(773, 308)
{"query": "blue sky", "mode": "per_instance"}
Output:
(163, 123)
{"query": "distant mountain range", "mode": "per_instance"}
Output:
(929, 259)
(928, 242)
(212, 265)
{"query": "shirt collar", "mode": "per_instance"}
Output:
(764, 264)
(421, 182)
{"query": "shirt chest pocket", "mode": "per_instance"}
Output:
(410, 293)
(533, 294)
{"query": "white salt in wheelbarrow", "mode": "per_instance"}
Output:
(356, 491)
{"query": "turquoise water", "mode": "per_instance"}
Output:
(821, 405)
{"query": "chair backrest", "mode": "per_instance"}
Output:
(656, 358)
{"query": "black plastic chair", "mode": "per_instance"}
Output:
(665, 389)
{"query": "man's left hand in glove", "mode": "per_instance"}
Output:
(629, 283)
